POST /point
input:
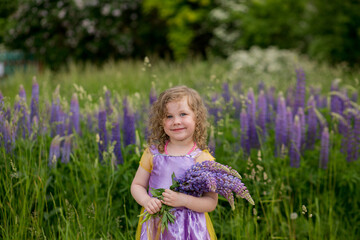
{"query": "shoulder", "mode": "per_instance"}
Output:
(146, 159)
(204, 155)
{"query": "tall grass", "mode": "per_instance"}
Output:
(89, 199)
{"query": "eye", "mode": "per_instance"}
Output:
(168, 116)
(183, 114)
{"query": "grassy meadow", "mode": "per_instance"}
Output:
(45, 196)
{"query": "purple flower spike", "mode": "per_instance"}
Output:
(251, 111)
(324, 153)
(210, 176)
(8, 136)
(300, 90)
(289, 120)
(301, 115)
(262, 113)
(244, 122)
(55, 112)
(153, 95)
(103, 141)
(354, 97)
(128, 124)
(295, 144)
(261, 86)
(34, 105)
(312, 123)
(280, 124)
(22, 93)
(336, 103)
(357, 134)
(66, 150)
(270, 106)
(74, 124)
(115, 138)
(21, 115)
(226, 92)
(108, 106)
(54, 154)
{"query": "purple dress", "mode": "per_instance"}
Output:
(188, 224)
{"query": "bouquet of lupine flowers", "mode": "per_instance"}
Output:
(207, 176)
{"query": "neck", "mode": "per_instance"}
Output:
(177, 149)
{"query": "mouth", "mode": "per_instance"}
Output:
(177, 129)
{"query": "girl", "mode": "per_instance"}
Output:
(177, 141)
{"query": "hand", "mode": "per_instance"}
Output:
(153, 205)
(174, 199)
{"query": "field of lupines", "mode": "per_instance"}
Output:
(67, 162)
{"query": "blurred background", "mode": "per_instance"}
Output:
(52, 33)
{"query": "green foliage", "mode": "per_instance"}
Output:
(242, 24)
(186, 24)
(334, 31)
(57, 31)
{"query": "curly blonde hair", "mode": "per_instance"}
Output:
(158, 112)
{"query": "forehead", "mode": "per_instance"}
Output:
(178, 104)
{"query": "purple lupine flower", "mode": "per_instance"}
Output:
(289, 127)
(89, 122)
(210, 176)
(251, 111)
(128, 124)
(74, 123)
(21, 116)
(290, 93)
(61, 123)
(66, 149)
(302, 120)
(54, 113)
(324, 153)
(261, 86)
(214, 108)
(354, 97)
(244, 137)
(294, 152)
(237, 105)
(103, 140)
(336, 102)
(152, 96)
(22, 93)
(300, 90)
(226, 92)
(8, 136)
(54, 153)
(357, 135)
(116, 140)
(262, 113)
(108, 106)
(312, 124)
(34, 105)
(280, 125)
(270, 105)
(349, 138)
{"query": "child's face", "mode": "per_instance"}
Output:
(179, 122)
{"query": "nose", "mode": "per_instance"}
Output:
(177, 120)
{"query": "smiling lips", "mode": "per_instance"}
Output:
(177, 129)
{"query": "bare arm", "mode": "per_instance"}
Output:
(206, 203)
(138, 189)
